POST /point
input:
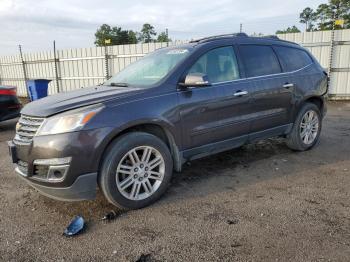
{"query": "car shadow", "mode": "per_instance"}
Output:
(228, 170)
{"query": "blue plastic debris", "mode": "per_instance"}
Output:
(75, 227)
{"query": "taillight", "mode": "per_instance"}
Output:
(8, 92)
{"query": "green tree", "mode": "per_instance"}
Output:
(292, 29)
(116, 34)
(132, 37)
(347, 21)
(102, 34)
(163, 37)
(308, 17)
(147, 33)
(324, 17)
(328, 13)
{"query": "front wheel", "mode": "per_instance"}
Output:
(306, 128)
(136, 170)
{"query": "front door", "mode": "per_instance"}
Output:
(213, 117)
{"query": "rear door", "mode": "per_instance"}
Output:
(271, 92)
(296, 63)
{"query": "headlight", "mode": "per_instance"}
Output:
(69, 121)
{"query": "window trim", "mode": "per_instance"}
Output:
(241, 65)
(271, 75)
(210, 49)
(242, 74)
(300, 49)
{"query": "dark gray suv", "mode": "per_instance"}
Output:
(176, 104)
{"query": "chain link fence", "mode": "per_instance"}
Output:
(71, 68)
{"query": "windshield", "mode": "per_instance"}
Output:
(150, 69)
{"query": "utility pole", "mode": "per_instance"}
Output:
(240, 27)
(107, 41)
(331, 51)
(24, 69)
(56, 67)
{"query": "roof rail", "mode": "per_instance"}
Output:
(209, 38)
(275, 37)
(271, 36)
(243, 35)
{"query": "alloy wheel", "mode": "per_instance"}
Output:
(309, 127)
(140, 173)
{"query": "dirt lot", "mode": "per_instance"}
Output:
(258, 202)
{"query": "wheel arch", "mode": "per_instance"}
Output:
(316, 100)
(156, 129)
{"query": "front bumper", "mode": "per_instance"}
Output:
(84, 150)
(84, 188)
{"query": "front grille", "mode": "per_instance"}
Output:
(26, 129)
(23, 167)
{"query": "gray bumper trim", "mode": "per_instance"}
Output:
(84, 188)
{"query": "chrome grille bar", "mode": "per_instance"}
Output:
(27, 128)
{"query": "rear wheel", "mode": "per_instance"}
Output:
(136, 170)
(306, 129)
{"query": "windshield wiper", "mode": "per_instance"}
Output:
(119, 84)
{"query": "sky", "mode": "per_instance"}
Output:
(72, 23)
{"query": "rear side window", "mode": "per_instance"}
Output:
(259, 60)
(292, 59)
(219, 65)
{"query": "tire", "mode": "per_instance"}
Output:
(297, 140)
(116, 173)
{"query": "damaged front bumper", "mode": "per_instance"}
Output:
(84, 188)
(63, 166)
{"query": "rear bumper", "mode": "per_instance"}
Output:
(83, 188)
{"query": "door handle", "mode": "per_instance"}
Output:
(240, 93)
(288, 85)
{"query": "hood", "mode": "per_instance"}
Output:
(82, 97)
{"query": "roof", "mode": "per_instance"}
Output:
(239, 36)
(216, 37)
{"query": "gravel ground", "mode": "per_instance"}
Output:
(261, 202)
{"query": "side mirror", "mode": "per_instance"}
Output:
(195, 80)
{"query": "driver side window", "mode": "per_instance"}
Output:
(219, 65)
